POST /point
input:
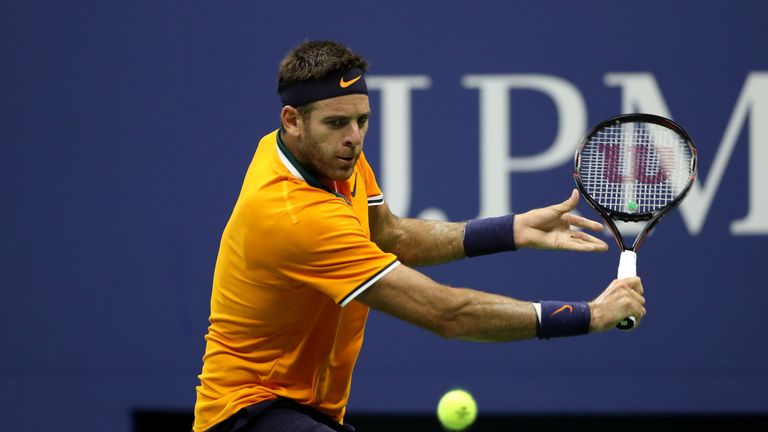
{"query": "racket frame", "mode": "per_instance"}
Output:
(653, 218)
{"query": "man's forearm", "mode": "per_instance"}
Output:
(418, 242)
(486, 317)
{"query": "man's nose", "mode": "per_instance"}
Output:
(354, 134)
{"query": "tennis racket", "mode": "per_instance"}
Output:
(634, 168)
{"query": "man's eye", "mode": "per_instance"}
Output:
(336, 123)
(362, 120)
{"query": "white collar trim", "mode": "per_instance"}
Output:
(288, 164)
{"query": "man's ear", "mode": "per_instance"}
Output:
(291, 121)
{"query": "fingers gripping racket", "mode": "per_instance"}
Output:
(634, 168)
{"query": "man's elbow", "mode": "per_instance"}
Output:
(448, 330)
(449, 322)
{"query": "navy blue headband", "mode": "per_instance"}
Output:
(338, 84)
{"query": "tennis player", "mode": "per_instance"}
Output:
(311, 244)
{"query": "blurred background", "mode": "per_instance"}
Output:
(126, 128)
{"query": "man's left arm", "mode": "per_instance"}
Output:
(418, 242)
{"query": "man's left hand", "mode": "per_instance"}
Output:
(550, 228)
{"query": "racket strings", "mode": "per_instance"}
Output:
(635, 167)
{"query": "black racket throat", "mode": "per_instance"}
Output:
(610, 217)
(619, 236)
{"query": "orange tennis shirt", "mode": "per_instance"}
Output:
(293, 256)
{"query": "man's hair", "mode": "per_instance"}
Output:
(314, 60)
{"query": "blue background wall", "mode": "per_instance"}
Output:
(126, 128)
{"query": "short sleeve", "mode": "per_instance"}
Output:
(326, 249)
(375, 195)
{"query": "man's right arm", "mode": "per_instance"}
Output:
(462, 313)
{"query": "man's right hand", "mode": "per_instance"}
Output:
(622, 298)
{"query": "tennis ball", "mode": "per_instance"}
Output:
(456, 410)
(632, 205)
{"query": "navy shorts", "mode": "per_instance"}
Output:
(279, 415)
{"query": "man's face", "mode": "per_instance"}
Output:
(332, 138)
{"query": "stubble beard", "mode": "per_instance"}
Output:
(320, 164)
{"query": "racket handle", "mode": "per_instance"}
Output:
(627, 265)
(627, 268)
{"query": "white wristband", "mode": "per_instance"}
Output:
(537, 307)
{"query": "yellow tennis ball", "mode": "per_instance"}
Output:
(456, 410)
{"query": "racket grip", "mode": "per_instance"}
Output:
(627, 268)
(627, 265)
